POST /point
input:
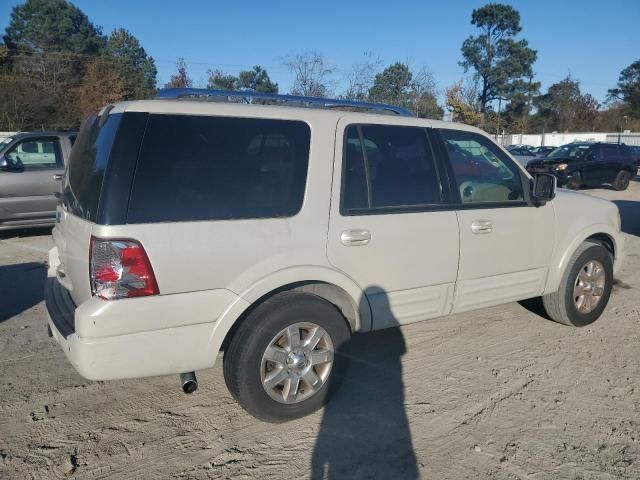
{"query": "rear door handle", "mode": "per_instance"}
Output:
(355, 238)
(481, 226)
(58, 176)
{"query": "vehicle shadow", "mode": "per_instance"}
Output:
(630, 215)
(364, 431)
(21, 287)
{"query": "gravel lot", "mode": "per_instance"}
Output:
(499, 393)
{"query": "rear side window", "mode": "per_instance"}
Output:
(219, 168)
(387, 167)
(87, 164)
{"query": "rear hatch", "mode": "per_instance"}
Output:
(78, 211)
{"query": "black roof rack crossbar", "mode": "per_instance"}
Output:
(248, 96)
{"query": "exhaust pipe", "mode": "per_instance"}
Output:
(189, 382)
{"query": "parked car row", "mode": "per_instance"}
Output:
(31, 168)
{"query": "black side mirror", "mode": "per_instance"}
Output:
(8, 164)
(544, 188)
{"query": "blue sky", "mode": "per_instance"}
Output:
(592, 40)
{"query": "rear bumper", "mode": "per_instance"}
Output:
(100, 339)
(146, 354)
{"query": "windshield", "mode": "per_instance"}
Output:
(4, 142)
(569, 151)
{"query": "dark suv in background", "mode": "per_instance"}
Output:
(588, 165)
(31, 170)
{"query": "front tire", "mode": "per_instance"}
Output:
(575, 181)
(287, 357)
(585, 287)
(622, 180)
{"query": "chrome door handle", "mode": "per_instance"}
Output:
(481, 226)
(58, 176)
(355, 238)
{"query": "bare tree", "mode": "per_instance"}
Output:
(361, 77)
(180, 79)
(312, 74)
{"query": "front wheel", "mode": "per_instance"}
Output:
(585, 287)
(575, 181)
(287, 357)
(622, 180)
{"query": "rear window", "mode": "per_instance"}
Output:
(218, 168)
(87, 163)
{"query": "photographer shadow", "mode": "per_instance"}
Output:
(364, 431)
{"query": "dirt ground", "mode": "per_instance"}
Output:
(499, 393)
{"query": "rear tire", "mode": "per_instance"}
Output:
(575, 181)
(272, 366)
(622, 180)
(567, 305)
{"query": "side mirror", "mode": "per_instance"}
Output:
(544, 188)
(7, 164)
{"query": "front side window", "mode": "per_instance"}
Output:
(577, 151)
(36, 153)
(219, 168)
(388, 167)
(483, 173)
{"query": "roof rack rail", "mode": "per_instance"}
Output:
(248, 96)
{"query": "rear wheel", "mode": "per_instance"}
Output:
(575, 181)
(287, 357)
(622, 180)
(585, 287)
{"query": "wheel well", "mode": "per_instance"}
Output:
(331, 293)
(606, 241)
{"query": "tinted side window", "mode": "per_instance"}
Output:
(609, 151)
(217, 168)
(87, 164)
(388, 166)
(483, 173)
(36, 153)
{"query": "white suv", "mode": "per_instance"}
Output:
(274, 233)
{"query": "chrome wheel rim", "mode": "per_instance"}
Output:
(297, 363)
(589, 287)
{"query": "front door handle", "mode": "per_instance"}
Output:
(58, 176)
(481, 226)
(355, 238)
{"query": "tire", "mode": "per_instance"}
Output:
(575, 181)
(562, 306)
(622, 180)
(246, 366)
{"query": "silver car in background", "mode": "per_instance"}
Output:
(31, 170)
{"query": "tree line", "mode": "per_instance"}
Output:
(56, 66)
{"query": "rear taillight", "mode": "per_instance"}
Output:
(120, 269)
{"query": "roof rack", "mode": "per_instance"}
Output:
(249, 96)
